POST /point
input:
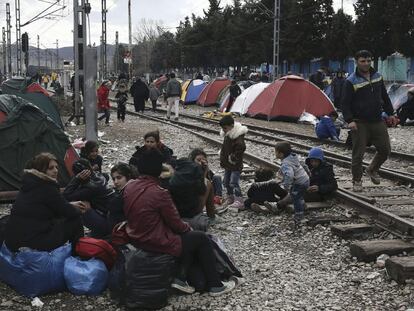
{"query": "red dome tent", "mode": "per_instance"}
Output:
(209, 96)
(287, 98)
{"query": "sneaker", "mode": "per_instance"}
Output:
(182, 286)
(272, 207)
(218, 291)
(257, 208)
(283, 203)
(217, 200)
(357, 186)
(221, 209)
(237, 280)
(375, 178)
(237, 204)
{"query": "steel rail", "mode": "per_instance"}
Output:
(394, 222)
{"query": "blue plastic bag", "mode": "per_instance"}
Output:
(85, 277)
(33, 273)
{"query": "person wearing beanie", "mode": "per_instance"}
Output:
(154, 225)
(322, 176)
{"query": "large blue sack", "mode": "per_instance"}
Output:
(33, 273)
(85, 277)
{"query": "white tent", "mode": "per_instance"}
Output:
(244, 100)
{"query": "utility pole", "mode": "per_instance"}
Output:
(104, 60)
(100, 69)
(18, 39)
(57, 55)
(8, 32)
(342, 5)
(80, 9)
(3, 36)
(129, 40)
(91, 120)
(276, 38)
(116, 52)
(38, 52)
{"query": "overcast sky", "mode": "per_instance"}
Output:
(168, 13)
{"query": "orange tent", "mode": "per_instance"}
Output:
(209, 96)
(287, 98)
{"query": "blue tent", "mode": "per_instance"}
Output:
(194, 89)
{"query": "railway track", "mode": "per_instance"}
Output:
(388, 205)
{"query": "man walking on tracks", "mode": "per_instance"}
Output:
(173, 92)
(363, 99)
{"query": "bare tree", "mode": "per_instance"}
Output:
(144, 37)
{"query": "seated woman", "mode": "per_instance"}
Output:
(154, 225)
(152, 140)
(91, 186)
(41, 218)
(121, 174)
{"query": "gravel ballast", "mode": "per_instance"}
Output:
(308, 270)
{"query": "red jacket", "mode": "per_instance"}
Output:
(103, 101)
(154, 224)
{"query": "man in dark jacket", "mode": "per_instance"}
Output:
(337, 86)
(364, 98)
(318, 77)
(235, 91)
(322, 182)
(140, 92)
(173, 93)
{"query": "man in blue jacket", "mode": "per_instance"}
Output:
(364, 98)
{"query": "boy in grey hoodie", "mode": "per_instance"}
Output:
(295, 179)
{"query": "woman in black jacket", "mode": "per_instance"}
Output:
(41, 218)
(91, 186)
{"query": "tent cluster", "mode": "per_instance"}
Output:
(30, 124)
(284, 99)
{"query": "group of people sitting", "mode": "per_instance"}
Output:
(157, 200)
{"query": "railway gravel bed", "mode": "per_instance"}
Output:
(402, 138)
(311, 270)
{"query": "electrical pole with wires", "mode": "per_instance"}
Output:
(8, 33)
(80, 9)
(276, 40)
(46, 52)
(116, 52)
(57, 55)
(18, 39)
(38, 52)
(4, 50)
(129, 41)
(103, 59)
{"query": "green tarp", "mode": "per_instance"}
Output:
(18, 87)
(26, 132)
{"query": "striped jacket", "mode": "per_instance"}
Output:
(365, 100)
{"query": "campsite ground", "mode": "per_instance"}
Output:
(283, 271)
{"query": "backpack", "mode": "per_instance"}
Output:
(88, 248)
(140, 279)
